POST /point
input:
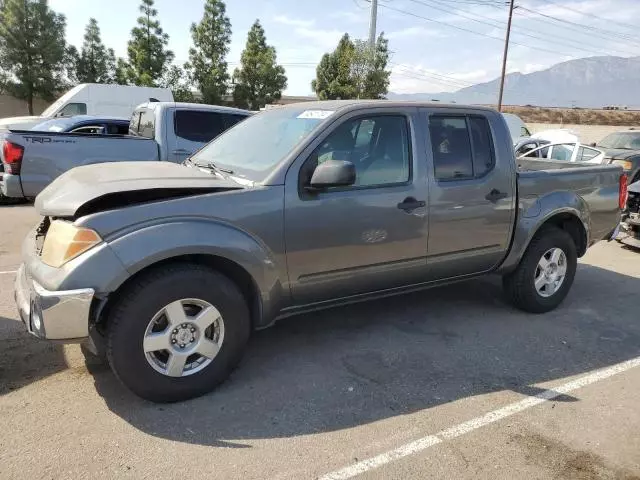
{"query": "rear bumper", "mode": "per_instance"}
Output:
(52, 315)
(10, 185)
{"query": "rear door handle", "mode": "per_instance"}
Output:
(495, 195)
(411, 203)
(181, 151)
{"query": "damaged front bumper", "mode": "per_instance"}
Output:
(52, 315)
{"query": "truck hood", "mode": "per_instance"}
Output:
(105, 186)
(619, 153)
(19, 123)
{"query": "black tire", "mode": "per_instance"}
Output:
(148, 294)
(520, 284)
(10, 201)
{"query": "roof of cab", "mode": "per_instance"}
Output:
(195, 106)
(355, 104)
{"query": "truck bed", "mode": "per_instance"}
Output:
(49, 154)
(597, 186)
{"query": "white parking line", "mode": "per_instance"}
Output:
(466, 427)
(8, 271)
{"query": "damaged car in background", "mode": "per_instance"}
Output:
(630, 226)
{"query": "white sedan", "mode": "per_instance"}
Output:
(564, 152)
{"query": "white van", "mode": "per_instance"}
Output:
(93, 99)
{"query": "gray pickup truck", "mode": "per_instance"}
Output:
(167, 131)
(167, 269)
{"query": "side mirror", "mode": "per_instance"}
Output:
(333, 173)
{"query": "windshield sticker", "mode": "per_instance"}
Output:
(317, 114)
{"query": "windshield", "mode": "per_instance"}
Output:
(57, 125)
(52, 109)
(253, 147)
(623, 140)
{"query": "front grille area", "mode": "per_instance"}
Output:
(41, 232)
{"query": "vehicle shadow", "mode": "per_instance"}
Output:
(353, 365)
(25, 359)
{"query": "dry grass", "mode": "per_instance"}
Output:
(575, 116)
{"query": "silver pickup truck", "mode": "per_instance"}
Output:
(169, 268)
(167, 131)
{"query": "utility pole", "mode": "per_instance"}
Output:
(504, 57)
(372, 24)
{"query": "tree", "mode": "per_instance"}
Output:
(148, 56)
(122, 72)
(207, 63)
(71, 60)
(333, 74)
(259, 80)
(32, 49)
(361, 60)
(4, 80)
(96, 63)
(178, 82)
(377, 79)
(353, 70)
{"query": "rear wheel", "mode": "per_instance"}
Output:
(177, 332)
(545, 274)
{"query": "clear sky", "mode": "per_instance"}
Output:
(433, 46)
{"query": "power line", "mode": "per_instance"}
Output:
(497, 3)
(428, 80)
(581, 26)
(581, 30)
(499, 24)
(473, 31)
(626, 25)
(431, 76)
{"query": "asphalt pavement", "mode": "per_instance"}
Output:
(447, 383)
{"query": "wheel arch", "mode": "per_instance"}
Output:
(235, 272)
(570, 223)
(570, 219)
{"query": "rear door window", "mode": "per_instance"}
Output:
(562, 153)
(198, 126)
(482, 144)
(462, 146)
(585, 154)
(117, 129)
(451, 147)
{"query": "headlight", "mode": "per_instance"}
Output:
(625, 164)
(65, 241)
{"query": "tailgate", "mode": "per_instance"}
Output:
(10, 185)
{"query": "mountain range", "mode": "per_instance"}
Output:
(592, 82)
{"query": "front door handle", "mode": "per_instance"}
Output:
(181, 151)
(410, 203)
(495, 195)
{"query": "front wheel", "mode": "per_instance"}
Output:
(545, 274)
(177, 332)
